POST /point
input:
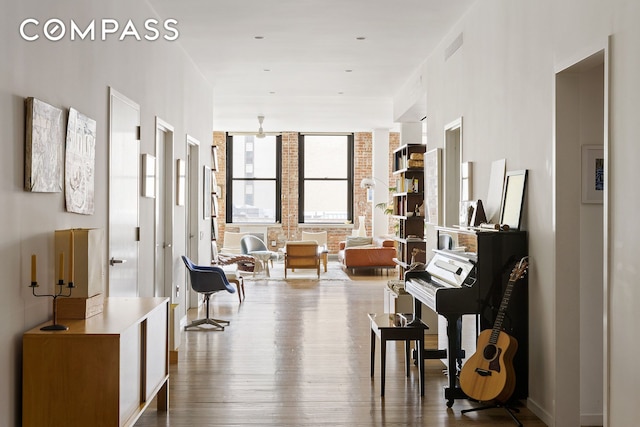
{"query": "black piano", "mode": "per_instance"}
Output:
(457, 282)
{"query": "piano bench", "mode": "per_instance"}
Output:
(384, 327)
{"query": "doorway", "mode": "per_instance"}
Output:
(164, 212)
(124, 178)
(452, 163)
(581, 123)
(194, 236)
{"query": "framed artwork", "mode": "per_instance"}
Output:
(466, 185)
(148, 176)
(592, 173)
(181, 182)
(515, 184)
(496, 185)
(432, 171)
(214, 157)
(80, 163)
(206, 193)
(44, 147)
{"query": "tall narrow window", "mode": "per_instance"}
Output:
(253, 186)
(326, 179)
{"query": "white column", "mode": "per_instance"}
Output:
(380, 174)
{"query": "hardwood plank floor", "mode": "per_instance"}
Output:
(297, 354)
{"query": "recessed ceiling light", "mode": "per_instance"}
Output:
(266, 69)
(348, 71)
(272, 93)
(361, 38)
(340, 93)
(258, 37)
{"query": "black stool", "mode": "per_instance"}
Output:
(386, 329)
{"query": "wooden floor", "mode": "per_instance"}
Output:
(297, 354)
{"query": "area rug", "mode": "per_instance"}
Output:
(334, 273)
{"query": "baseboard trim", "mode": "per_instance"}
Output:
(540, 412)
(591, 419)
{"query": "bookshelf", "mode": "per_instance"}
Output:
(409, 204)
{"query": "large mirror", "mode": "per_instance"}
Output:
(513, 199)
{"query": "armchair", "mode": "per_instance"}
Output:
(252, 245)
(231, 242)
(242, 263)
(207, 281)
(301, 254)
(321, 238)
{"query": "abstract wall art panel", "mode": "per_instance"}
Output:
(80, 160)
(44, 147)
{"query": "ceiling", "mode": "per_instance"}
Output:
(308, 65)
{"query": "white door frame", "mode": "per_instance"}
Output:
(566, 257)
(166, 182)
(193, 233)
(452, 162)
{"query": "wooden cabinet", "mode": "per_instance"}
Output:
(408, 203)
(103, 371)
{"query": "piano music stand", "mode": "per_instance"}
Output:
(510, 410)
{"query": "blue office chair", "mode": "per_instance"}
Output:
(207, 281)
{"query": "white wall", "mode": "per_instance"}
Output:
(502, 81)
(157, 75)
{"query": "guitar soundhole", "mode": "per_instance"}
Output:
(490, 352)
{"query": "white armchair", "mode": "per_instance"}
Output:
(231, 243)
(321, 238)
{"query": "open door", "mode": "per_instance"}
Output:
(124, 178)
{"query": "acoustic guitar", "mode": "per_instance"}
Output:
(488, 375)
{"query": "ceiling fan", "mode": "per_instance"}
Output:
(260, 133)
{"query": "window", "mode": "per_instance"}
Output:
(326, 179)
(253, 171)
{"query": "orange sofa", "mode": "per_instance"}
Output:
(359, 252)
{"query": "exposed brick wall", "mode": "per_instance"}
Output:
(362, 168)
(289, 229)
(220, 140)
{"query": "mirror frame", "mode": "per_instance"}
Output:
(511, 190)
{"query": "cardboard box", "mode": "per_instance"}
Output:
(89, 261)
(80, 308)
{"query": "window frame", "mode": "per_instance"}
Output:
(349, 179)
(231, 179)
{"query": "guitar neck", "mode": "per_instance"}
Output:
(518, 271)
(497, 325)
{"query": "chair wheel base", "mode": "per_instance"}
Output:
(217, 324)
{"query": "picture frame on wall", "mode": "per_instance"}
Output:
(592, 174)
(214, 157)
(44, 147)
(432, 185)
(181, 170)
(80, 163)
(515, 185)
(148, 175)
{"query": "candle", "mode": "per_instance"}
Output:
(33, 268)
(71, 256)
(61, 269)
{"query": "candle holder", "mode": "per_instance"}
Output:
(55, 326)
